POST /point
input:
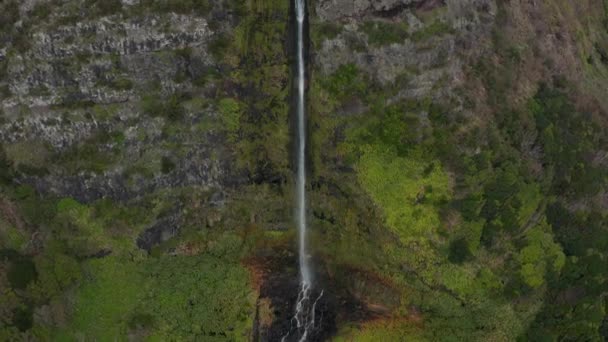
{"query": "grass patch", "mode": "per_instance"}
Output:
(381, 331)
(105, 300)
(231, 111)
(169, 298)
(321, 31)
(197, 7)
(170, 108)
(408, 189)
(381, 33)
(437, 28)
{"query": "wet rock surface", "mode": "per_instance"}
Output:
(281, 285)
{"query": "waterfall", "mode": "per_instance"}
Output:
(301, 167)
(305, 308)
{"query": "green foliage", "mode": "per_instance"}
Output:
(166, 164)
(105, 226)
(87, 155)
(459, 251)
(9, 14)
(381, 331)
(572, 310)
(437, 28)
(5, 168)
(103, 303)
(219, 46)
(569, 138)
(121, 84)
(382, 33)
(35, 210)
(324, 30)
(345, 81)
(40, 12)
(22, 270)
(206, 76)
(170, 108)
(11, 237)
(57, 272)
(257, 47)
(23, 318)
(403, 187)
(540, 256)
(510, 202)
(83, 235)
(192, 7)
(230, 115)
(104, 7)
(198, 298)
(170, 298)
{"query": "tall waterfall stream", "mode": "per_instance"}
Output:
(304, 316)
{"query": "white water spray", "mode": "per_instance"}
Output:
(305, 308)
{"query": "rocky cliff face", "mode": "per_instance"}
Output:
(456, 148)
(93, 85)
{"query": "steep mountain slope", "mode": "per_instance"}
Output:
(476, 129)
(457, 182)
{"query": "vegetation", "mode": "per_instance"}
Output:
(437, 28)
(75, 264)
(198, 7)
(449, 225)
(170, 108)
(382, 33)
(474, 237)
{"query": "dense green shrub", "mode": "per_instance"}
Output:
(231, 111)
(459, 251)
(23, 318)
(219, 46)
(22, 270)
(166, 164)
(346, 81)
(170, 108)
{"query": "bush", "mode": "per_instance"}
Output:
(325, 30)
(382, 33)
(435, 29)
(105, 7)
(121, 84)
(198, 7)
(9, 14)
(166, 165)
(231, 111)
(345, 81)
(5, 168)
(141, 321)
(171, 108)
(22, 269)
(218, 46)
(23, 318)
(459, 251)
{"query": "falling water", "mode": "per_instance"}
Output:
(301, 181)
(305, 308)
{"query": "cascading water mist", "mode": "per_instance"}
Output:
(304, 317)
